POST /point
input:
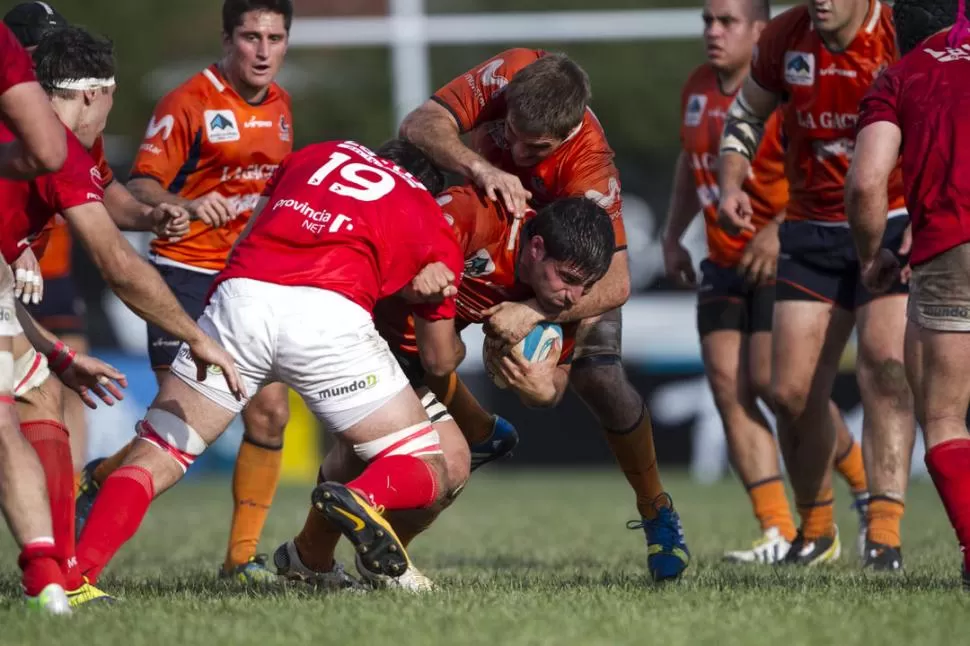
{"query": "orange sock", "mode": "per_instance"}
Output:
(253, 486)
(317, 542)
(111, 463)
(885, 514)
(635, 453)
(851, 467)
(771, 506)
(475, 422)
(818, 517)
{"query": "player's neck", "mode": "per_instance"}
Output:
(729, 81)
(68, 111)
(248, 93)
(840, 39)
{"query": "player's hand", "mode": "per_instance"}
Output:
(510, 322)
(210, 356)
(29, 285)
(734, 212)
(904, 248)
(759, 262)
(213, 209)
(879, 274)
(533, 382)
(678, 265)
(434, 283)
(170, 222)
(499, 185)
(90, 377)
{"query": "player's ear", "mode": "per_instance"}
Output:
(89, 96)
(537, 248)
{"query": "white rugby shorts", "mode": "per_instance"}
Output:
(318, 342)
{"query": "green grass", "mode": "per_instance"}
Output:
(521, 558)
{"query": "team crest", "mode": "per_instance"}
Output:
(799, 68)
(284, 128)
(480, 264)
(221, 126)
(695, 110)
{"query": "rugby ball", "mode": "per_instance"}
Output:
(536, 346)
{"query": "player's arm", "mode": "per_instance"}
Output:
(744, 126)
(433, 129)
(212, 208)
(684, 206)
(867, 186)
(439, 346)
(41, 145)
(165, 220)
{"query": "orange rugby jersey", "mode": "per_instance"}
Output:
(204, 137)
(489, 239)
(822, 91)
(704, 105)
(53, 245)
(582, 166)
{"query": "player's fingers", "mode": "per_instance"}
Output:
(490, 191)
(20, 275)
(38, 288)
(449, 291)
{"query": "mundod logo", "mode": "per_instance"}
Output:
(695, 110)
(364, 383)
(800, 68)
(221, 126)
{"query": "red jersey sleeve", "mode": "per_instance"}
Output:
(77, 183)
(467, 96)
(169, 138)
(880, 103)
(768, 62)
(448, 252)
(17, 67)
(104, 168)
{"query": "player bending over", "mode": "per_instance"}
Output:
(337, 229)
(918, 109)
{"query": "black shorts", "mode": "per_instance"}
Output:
(62, 310)
(726, 302)
(191, 289)
(819, 263)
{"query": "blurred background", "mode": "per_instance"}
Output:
(354, 68)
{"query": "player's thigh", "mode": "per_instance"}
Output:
(597, 374)
(880, 366)
(190, 289)
(332, 355)
(808, 338)
(241, 320)
(454, 446)
(37, 391)
(722, 324)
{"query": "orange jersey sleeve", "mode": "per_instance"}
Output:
(469, 97)
(203, 138)
(593, 175)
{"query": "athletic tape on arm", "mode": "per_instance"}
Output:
(743, 129)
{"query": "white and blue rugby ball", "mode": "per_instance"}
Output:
(535, 347)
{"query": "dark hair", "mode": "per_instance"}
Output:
(548, 97)
(917, 20)
(577, 231)
(234, 10)
(72, 53)
(31, 21)
(413, 160)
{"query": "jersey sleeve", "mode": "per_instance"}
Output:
(768, 62)
(448, 252)
(104, 168)
(168, 141)
(597, 179)
(17, 67)
(881, 101)
(467, 96)
(77, 183)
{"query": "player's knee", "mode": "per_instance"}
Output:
(790, 400)
(172, 435)
(602, 384)
(265, 421)
(887, 379)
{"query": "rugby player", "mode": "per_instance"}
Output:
(736, 294)
(294, 304)
(917, 108)
(819, 60)
(210, 147)
(534, 139)
(77, 71)
(23, 493)
(554, 257)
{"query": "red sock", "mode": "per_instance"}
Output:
(52, 443)
(122, 503)
(38, 561)
(397, 482)
(949, 465)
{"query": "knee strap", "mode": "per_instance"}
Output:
(171, 434)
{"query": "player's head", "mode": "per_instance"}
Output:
(255, 34)
(413, 160)
(31, 21)
(77, 69)
(831, 16)
(546, 104)
(566, 248)
(917, 20)
(731, 30)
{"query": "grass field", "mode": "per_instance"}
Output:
(521, 558)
